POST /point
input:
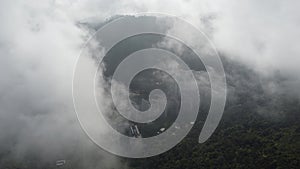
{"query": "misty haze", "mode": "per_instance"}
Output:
(49, 48)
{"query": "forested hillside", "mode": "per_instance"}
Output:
(258, 130)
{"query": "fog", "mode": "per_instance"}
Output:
(41, 40)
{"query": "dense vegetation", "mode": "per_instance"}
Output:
(246, 141)
(258, 130)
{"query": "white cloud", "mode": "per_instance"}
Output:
(39, 43)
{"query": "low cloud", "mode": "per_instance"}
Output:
(40, 41)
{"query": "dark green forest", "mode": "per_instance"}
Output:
(244, 140)
(258, 130)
